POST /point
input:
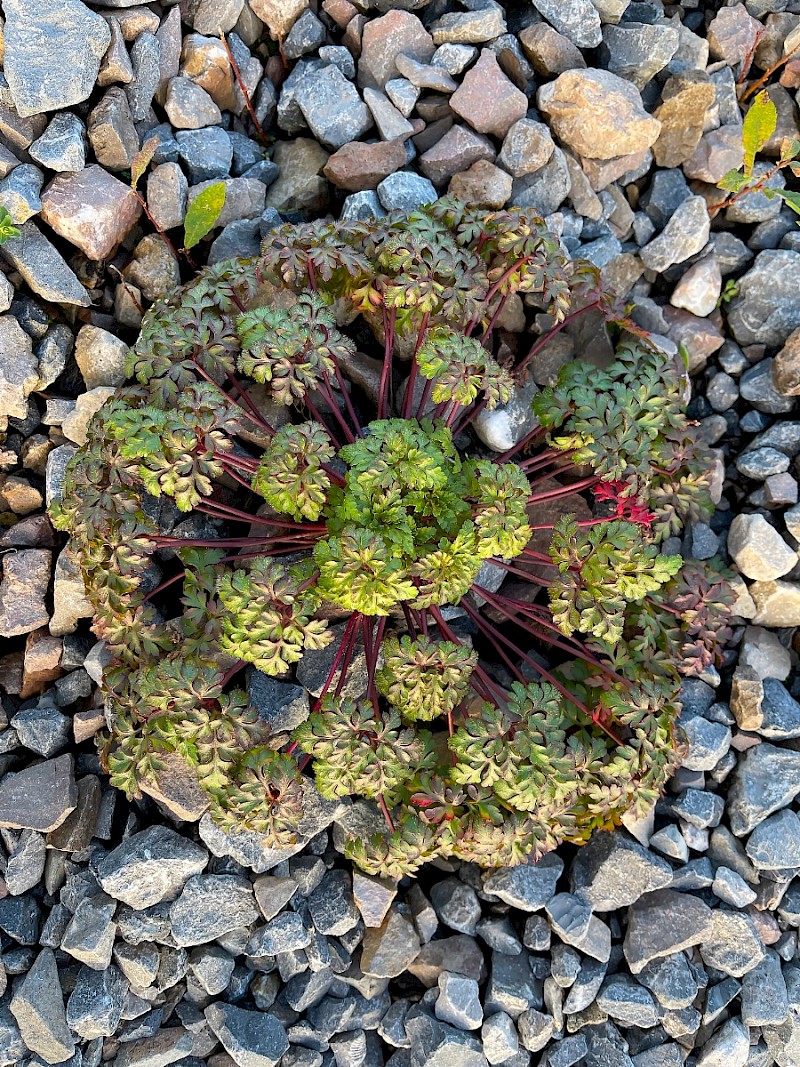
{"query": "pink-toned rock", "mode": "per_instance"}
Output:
(483, 184)
(700, 337)
(42, 662)
(717, 152)
(732, 33)
(458, 149)
(91, 209)
(602, 172)
(357, 165)
(384, 39)
(487, 99)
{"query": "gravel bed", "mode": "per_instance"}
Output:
(141, 934)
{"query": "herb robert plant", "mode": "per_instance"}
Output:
(502, 636)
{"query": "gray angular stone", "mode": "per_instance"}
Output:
(708, 742)
(53, 52)
(511, 985)
(251, 1039)
(40, 797)
(732, 888)
(19, 373)
(568, 1051)
(101, 355)
(613, 871)
(19, 918)
(535, 1029)
(390, 948)
(95, 1005)
(164, 1047)
(62, 145)
(756, 206)
(508, 423)
(332, 107)
(456, 905)
(405, 191)
(435, 1044)
(282, 705)
(761, 463)
(90, 934)
(765, 779)
(139, 963)
(765, 1001)
(662, 923)
(628, 1002)
(544, 190)
(728, 1047)
(210, 906)
(150, 866)
(774, 844)
(758, 386)
(41, 266)
(212, 967)
(499, 1038)
(332, 906)
(684, 236)
(25, 863)
(766, 307)
(528, 887)
(285, 933)
(145, 60)
(207, 153)
(698, 807)
(780, 712)
(19, 192)
(43, 729)
(586, 986)
(459, 1002)
(38, 1007)
(731, 944)
(671, 980)
(578, 20)
(638, 51)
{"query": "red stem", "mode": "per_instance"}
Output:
(543, 341)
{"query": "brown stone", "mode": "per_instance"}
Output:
(717, 152)
(487, 99)
(747, 695)
(598, 114)
(458, 149)
(154, 269)
(483, 185)
(20, 495)
(26, 576)
(685, 99)
(602, 172)
(701, 337)
(373, 897)
(92, 209)
(75, 426)
(786, 368)
(279, 15)
(42, 662)
(205, 62)
(86, 724)
(549, 51)
(383, 39)
(388, 949)
(357, 165)
(111, 131)
(177, 788)
(300, 185)
(341, 11)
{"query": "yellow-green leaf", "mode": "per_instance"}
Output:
(790, 198)
(733, 181)
(141, 160)
(759, 125)
(203, 212)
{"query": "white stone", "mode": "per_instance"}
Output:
(777, 603)
(699, 289)
(758, 549)
(762, 651)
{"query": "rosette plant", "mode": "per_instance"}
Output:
(295, 472)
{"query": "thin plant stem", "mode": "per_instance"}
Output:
(243, 88)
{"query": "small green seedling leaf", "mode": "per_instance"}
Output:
(203, 212)
(789, 197)
(7, 227)
(141, 161)
(759, 125)
(733, 181)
